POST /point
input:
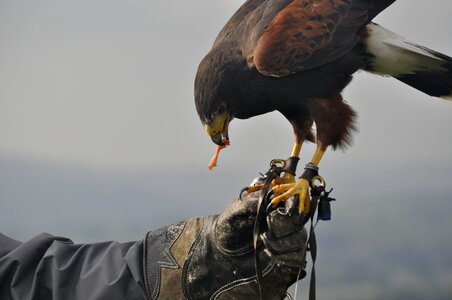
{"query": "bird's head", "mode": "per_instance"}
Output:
(217, 125)
(213, 89)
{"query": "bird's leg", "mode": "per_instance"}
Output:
(299, 187)
(288, 177)
(318, 154)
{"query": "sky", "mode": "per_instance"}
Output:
(99, 137)
(110, 84)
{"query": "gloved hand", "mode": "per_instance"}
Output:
(213, 257)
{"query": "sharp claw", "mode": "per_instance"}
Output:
(267, 201)
(245, 189)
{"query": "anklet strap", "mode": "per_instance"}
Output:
(311, 166)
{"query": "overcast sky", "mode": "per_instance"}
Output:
(110, 84)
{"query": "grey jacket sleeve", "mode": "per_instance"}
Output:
(51, 267)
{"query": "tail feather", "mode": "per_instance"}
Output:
(424, 69)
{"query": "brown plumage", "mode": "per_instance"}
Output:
(296, 57)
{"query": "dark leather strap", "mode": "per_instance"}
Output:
(312, 242)
(272, 174)
(291, 165)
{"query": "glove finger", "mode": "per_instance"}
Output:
(285, 220)
(289, 243)
(234, 226)
(289, 250)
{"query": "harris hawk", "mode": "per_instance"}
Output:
(296, 57)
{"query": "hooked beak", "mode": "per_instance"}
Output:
(218, 129)
(221, 139)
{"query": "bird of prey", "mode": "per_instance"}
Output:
(296, 57)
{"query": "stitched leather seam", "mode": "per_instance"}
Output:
(173, 264)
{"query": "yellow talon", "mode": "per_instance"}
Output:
(280, 190)
(305, 206)
(286, 179)
(254, 188)
(285, 191)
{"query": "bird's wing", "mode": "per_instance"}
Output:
(250, 18)
(304, 34)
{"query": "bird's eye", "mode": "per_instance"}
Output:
(221, 109)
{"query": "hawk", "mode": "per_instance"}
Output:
(296, 57)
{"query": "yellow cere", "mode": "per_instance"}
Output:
(218, 124)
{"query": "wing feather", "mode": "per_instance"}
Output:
(308, 33)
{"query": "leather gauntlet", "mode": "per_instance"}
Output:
(213, 257)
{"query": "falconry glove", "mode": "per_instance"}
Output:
(213, 257)
(201, 258)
